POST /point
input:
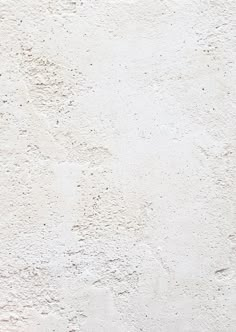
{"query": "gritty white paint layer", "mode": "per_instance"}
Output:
(117, 138)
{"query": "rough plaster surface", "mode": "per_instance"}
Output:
(117, 138)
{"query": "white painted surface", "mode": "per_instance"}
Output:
(117, 137)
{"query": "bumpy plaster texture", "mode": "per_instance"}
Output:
(117, 138)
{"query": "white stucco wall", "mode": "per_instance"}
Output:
(117, 138)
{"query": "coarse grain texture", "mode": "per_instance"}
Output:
(117, 166)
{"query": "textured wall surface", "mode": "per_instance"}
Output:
(117, 147)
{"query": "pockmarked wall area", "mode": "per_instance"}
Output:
(117, 166)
